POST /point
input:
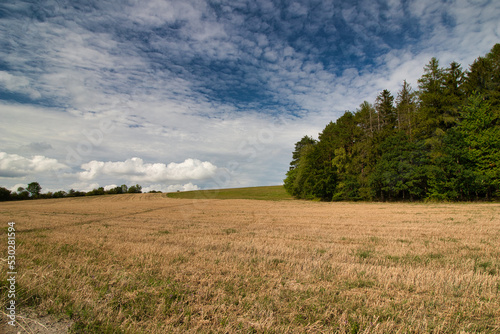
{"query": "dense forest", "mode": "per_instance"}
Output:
(438, 142)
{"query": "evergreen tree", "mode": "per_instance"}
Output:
(386, 115)
(365, 118)
(401, 171)
(299, 146)
(453, 95)
(406, 107)
(480, 129)
(431, 105)
(294, 181)
(484, 77)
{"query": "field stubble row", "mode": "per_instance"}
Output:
(147, 263)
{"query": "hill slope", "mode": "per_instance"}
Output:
(271, 193)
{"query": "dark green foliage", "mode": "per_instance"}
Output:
(439, 143)
(484, 77)
(74, 193)
(299, 146)
(406, 106)
(135, 189)
(118, 190)
(267, 193)
(480, 133)
(21, 194)
(385, 111)
(59, 194)
(4, 194)
(96, 192)
(33, 191)
(401, 171)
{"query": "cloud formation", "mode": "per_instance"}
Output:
(171, 188)
(15, 166)
(136, 170)
(18, 84)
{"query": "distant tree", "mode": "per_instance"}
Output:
(74, 193)
(118, 190)
(96, 192)
(22, 194)
(115, 190)
(59, 194)
(34, 189)
(48, 194)
(5, 194)
(135, 189)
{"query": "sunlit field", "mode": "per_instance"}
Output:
(146, 263)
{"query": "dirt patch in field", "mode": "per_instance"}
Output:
(29, 321)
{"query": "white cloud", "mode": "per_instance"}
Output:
(170, 188)
(83, 186)
(13, 165)
(17, 186)
(86, 187)
(18, 84)
(136, 170)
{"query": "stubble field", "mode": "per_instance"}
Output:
(145, 263)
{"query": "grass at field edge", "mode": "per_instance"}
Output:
(270, 193)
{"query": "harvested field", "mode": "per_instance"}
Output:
(145, 263)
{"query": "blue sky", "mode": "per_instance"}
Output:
(204, 94)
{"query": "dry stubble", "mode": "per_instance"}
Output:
(146, 263)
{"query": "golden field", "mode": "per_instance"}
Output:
(145, 263)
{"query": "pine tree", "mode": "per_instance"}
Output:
(384, 104)
(406, 108)
(453, 94)
(431, 86)
(480, 129)
(299, 146)
(365, 118)
(484, 77)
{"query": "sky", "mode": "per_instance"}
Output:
(194, 94)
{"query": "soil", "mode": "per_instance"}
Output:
(29, 321)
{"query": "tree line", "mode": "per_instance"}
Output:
(34, 191)
(439, 142)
